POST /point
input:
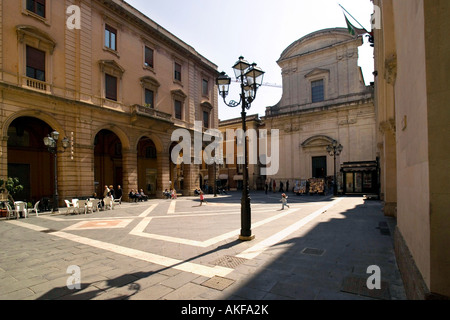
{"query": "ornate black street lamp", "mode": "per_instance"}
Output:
(51, 142)
(250, 77)
(335, 150)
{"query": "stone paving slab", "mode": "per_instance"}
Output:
(34, 265)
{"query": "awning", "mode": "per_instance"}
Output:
(205, 177)
(360, 166)
(238, 177)
(223, 177)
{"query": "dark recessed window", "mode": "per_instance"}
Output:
(205, 89)
(206, 119)
(37, 7)
(110, 38)
(110, 87)
(149, 57)
(150, 153)
(149, 98)
(317, 90)
(35, 64)
(177, 72)
(178, 110)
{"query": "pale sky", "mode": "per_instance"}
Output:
(259, 30)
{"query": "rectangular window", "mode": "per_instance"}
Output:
(177, 72)
(206, 119)
(110, 38)
(37, 7)
(149, 98)
(317, 90)
(110, 87)
(35, 64)
(148, 57)
(205, 89)
(178, 110)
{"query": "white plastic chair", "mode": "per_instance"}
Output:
(97, 204)
(35, 209)
(90, 206)
(118, 201)
(21, 207)
(11, 212)
(81, 206)
(109, 203)
(70, 207)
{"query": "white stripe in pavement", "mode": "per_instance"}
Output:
(28, 226)
(265, 244)
(172, 207)
(147, 212)
(149, 257)
(139, 231)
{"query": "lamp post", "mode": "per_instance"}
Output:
(51, 142)
(250, 77)
(335, 150)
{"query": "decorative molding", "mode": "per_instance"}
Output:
(111, 67)
(317, 141)
(29, 34)
(387, 126)
(391, 69)
(316, 72)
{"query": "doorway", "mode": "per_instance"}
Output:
(319, 167)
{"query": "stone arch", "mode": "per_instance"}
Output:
(124, 139)
(317, 141)
(52, 122)
(26, 156)
(156, 140)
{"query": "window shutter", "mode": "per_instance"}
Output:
(111, 87)
(149, 57)
(35, 58)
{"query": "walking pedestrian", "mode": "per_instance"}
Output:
(283, 200)
(202, 198)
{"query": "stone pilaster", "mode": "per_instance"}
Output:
(163, 175)
(130, 172)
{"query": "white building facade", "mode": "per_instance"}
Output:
(325, 99)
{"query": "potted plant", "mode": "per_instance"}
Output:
(8, 188)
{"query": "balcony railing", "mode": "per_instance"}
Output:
(36, 85)
(150, 112)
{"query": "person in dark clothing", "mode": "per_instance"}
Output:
(119, 193)
(281, 187)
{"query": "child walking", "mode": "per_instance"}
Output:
(202, 198)
(283, 200)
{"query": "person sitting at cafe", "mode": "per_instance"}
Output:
(144, 197)
(166, 194)
(132, 196)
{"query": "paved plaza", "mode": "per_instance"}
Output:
(319, 249)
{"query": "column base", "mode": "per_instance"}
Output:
(246, 238)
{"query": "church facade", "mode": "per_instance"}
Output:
(325, 99)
